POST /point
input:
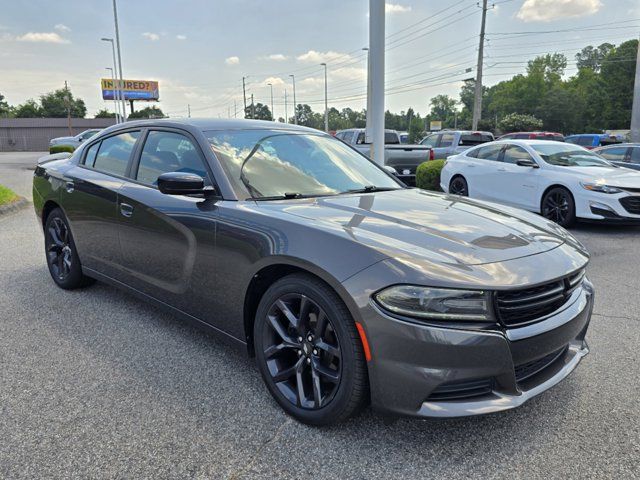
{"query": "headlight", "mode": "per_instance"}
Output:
(597, 187)
(436, 303)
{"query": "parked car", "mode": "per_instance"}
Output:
(623, 154)
(563, 182)
(76, 140)
(53, 156)
(451, 142)
(404, 159)
(592, 140)
(558, 137)
(344, 284)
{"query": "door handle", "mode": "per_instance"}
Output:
(69, 187)
(126, 210)
(502, 169)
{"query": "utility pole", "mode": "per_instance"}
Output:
(188, 110)
(228, 111)
(376, 52)
(286, 112)
(115, 99)
(295, 105)
(67, 104)
(244, 96)
(367, 130)
(124, 105)
(273, 114)
(635, 108)
(326, 104)
(235, 109)
(477, 101)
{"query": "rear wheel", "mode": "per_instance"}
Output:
(459, 186)
(558, 206)
(62, 258)
(309, 352)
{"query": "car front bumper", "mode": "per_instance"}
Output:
(412, 364)
(607, 207)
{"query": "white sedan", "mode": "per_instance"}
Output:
(559, 180)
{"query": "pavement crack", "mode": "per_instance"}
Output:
(620, 317)
(254, 457)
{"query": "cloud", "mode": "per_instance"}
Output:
(62, 28)
(276, 57)
(275, 81)
(42, 37)
(181, 37)
(548, 10)
(232, 60)
(312, 56)
(392, 8)
(154, 37)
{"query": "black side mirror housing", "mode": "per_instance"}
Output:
(180, 183)
(527, 163)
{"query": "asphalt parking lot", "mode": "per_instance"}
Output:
(96, 384)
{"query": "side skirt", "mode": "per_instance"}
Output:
(196, 322)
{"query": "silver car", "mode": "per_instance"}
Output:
(74, 141)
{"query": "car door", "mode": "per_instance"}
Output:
(90, 200)
(516, 184)
(481, 172)
(617, 155)
(168, 241)
(446, 146)
(634, 158)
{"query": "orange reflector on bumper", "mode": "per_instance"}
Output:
(365, 342)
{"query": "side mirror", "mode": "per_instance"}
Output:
(527, 163)
(180, 183)
(390, 170)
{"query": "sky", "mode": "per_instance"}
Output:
(199, 50)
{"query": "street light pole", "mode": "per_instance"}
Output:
(477, 97)
(116, 90)
(273, 115)
(367, 130)
(326, 102)
(635, 106)
(115, 19)
(286, 111)
(115, 100)
(295, 105)
(376, 45)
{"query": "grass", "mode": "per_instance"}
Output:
(7, 196)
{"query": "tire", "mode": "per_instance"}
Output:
(558, 206)
(61, 255)
(459, 186)
(322, 350)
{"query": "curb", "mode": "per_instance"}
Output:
(14, 206)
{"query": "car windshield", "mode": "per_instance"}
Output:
(270, 164)
(569, 155)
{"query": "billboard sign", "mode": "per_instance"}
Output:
(435, 125)
(133, 89)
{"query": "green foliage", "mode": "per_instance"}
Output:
(61, 148)
(591, 58)
(443, 108)
(516, 122)
(7, 195)
(104, 113)
(428, 175)
(258, 112)
(147, 112)
(55, 104)
(5, 109)
(28, 109)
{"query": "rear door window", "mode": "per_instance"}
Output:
(635, 155)
(585, 141)
(114, 153)
(447, 140)
(616, 154)
(490, 152)
(430, 141)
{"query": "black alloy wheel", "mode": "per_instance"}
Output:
(62, 258)
(309, 352)
(458, 186)
(559, 207)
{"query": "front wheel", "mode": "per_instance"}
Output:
(309, 352)
(558, 206)
(459, 186)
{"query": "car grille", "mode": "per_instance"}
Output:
(461, 389)
(529, 369)
(520, 307)
(631, 204)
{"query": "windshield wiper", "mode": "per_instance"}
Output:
(284, 196)
(370, 189)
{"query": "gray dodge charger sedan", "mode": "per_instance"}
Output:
(345, 285)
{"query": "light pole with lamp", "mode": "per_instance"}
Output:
(116, 91)
(295, 105)
(273, 115)
(326, 102)
(115, 100)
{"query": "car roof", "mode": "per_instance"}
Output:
(616, 145)
(216, 124)
(525, 142)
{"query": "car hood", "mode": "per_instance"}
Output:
(63, 139)
(415, 224)
(618, 177)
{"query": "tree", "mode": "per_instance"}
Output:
(148, 112)
(29, 109)
(104, 113)
(591, 57)
(5, 109)
(258, 112)
(55, 104)
(516, 122)
(308, 117)
(443, 108)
